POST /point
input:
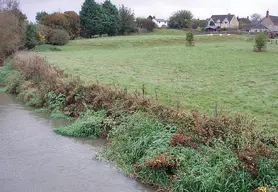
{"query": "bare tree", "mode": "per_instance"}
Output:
(9, 5)
(256, 18)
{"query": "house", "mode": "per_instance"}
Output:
(243, 22)
(270, 22)
(259, 28)
(223, 21)
(160, 22)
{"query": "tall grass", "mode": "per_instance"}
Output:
(140, 146)
(89, 125)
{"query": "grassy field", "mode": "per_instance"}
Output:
(222, 71)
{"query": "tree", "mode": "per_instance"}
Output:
(127, 20)
(91, 18)
(111, 18)
(12, 26)
(256, 18)
(181, 19)
(74, 23)
(9, 5)
(150, 17)
(260, 41)
(56, 21)
(58, 37)
(31, 36)
(40, 17)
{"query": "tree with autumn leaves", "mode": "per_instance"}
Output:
(93, 19)
(68, 21)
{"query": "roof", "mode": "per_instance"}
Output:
(274, 19)
(248, 27)
(161, 20)
(212, 27)
(259, 26)
(222, 17)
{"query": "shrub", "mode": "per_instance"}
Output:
(58, 37)
(260, 41)
(31, 36)
(190, 39)
(148, 24)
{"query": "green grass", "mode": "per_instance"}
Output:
(89, 125)
(139, 139)
(45, 48)
(222, 71)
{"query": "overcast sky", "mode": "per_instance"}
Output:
(161, 8)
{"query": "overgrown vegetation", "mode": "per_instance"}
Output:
(177, 160)
(168, 148)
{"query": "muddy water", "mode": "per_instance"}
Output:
(34, 159)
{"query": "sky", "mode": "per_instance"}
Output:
(161, 8)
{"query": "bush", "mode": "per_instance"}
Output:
(31, 36)
(190, 39)
(260, 41)
(58, 37)
(148, 24)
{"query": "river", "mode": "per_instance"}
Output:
(34, 159)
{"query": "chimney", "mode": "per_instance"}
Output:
(267, 13)
(248, 17)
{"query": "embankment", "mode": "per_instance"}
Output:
(171, 149)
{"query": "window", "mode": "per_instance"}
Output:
(211, 23)
(226, 22)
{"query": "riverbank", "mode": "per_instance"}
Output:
(171, 149)
(34, 158)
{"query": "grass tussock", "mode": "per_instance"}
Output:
(89, 125)
(162, 146)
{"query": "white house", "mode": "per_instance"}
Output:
(223, 21)
(161, 22)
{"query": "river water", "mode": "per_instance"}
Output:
(34, 159)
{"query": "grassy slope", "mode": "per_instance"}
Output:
(224, 72)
